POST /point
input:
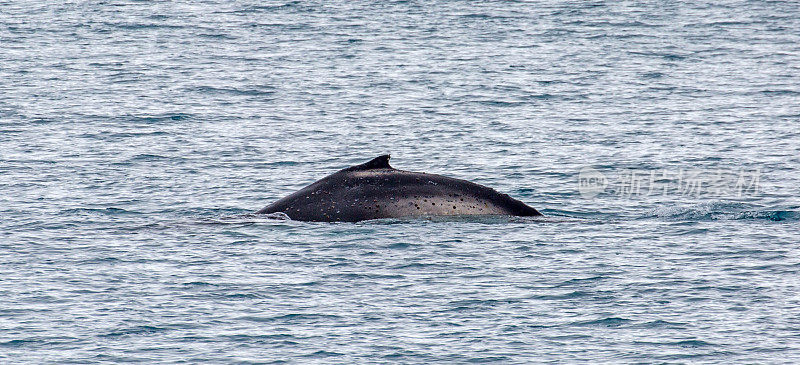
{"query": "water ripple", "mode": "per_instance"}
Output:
(138, 138)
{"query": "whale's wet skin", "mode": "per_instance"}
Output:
(375, 190)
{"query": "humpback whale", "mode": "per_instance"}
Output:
(375, 190)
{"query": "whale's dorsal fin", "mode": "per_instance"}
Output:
(380, 162)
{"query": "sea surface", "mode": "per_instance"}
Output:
(660, 139)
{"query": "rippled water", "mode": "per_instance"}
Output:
(135, 138)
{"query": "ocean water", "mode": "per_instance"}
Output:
(661, 141)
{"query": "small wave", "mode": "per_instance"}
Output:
(146, 119)
(579, 281)
(265, 338)
(237, 296)
(274, 164)
(277, 216)
(661, 324)
(269, 7)
(665, 55)
(103, 211)
(652, 75)
(17, 343)
(482, 303)
(49, 340)
(141, 26)
(603, 322)
(566, 216)
(414, 265)
(217, 36)
(292, 317)
(147, 157)
(198, 284)
(683, 343)
(138, 330)
(131, 134)
(323, 353)
(570, 295)
(721, 211)
(240, 218)
(780, 92)
(500, 103)
(256, 91)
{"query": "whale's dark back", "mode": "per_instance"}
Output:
(375, 190)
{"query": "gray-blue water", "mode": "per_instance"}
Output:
(135, 138)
